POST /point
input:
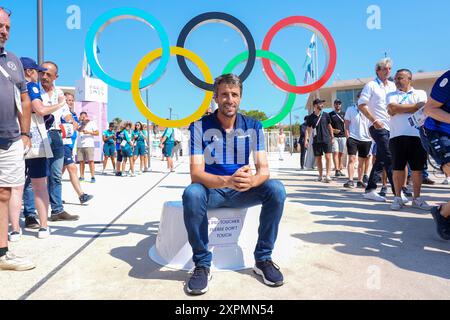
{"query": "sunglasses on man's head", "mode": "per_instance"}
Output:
(7, 11)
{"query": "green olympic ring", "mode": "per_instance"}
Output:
(284, 67)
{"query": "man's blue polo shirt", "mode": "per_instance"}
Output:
(224, 152)
(440, 93)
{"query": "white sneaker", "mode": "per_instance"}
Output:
(12, 262)
(405, 200)
(446, 181)
(44, 233)
(319, 179)
(327, 179)
(148, 170)
(132, 174)
(15, 236)
(397, 204)
(373, 195)
(421, 204)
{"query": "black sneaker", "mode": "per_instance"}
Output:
(270, 272)
(383, 191)
(361, 184)
(407, 192)
(337, 174)
(341, 174)
(365, 178)
(428, 181)
(198, 283)
(349, 184)
(442, 224)
(85, 198)
(31, 223)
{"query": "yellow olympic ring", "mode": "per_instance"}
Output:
(143, 108)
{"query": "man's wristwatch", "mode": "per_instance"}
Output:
(27, 134)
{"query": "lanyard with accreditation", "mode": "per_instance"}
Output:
(17, 97)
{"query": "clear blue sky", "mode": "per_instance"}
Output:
(416, 34)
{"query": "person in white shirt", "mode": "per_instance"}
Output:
(50, 96)
(358, 142)
(372, 103)
(86, 145)
(404, 142)
(281, 142)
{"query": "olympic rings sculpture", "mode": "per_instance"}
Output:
(249, 57)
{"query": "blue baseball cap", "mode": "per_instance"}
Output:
(29, 63)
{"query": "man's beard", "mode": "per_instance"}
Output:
(228, 114)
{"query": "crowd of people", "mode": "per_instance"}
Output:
(397, 126)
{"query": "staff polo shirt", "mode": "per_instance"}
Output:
(9, 125)
(374, 96)
(399, 123)
(224, 152)
(440, 93)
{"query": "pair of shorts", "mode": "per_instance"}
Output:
(109, 149)
(68, 155)
(12, 166)
(339, 144)
(167, 150)
(437, 144)
(85, 154)
(127, 152)
(362, 148)
(322, 148)
(407, 150)
(139, 149)
(36, 168)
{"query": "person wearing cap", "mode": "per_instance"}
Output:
(319, 127)
(15, 115)
(337, 122)
(372, 103)
(35, 169)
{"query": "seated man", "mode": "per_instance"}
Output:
(221, 177)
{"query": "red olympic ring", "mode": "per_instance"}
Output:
(329, 45)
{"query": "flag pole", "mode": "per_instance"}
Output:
(40, 31)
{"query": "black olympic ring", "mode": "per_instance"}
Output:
(222, 18)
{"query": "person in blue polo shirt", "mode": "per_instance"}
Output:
(435, 136)
(167, 144)
(109, 146)
(140, 137)
(220, 147)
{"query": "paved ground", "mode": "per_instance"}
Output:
(333, 245)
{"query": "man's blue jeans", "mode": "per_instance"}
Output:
(197, 199)
(383, 159)
(54, 180)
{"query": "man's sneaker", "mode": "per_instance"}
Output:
(327, 179)
(397, 204)
(442, 224)
(383, 191)
(85, 198)
(93, 180)
(31, 223)
(349, 184)
(428, 181)
(14, 236)
(270, 272)
(404, 198)
(361, 184)
(12, 262)
(446, 181)
(365, 178)
(81, 179)
(373, 195)
(336, 174)
(198, 283)
(421, 204)
(44, 233)
(319, 179)
(407, 192)
(341, 174)
(63, 216)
